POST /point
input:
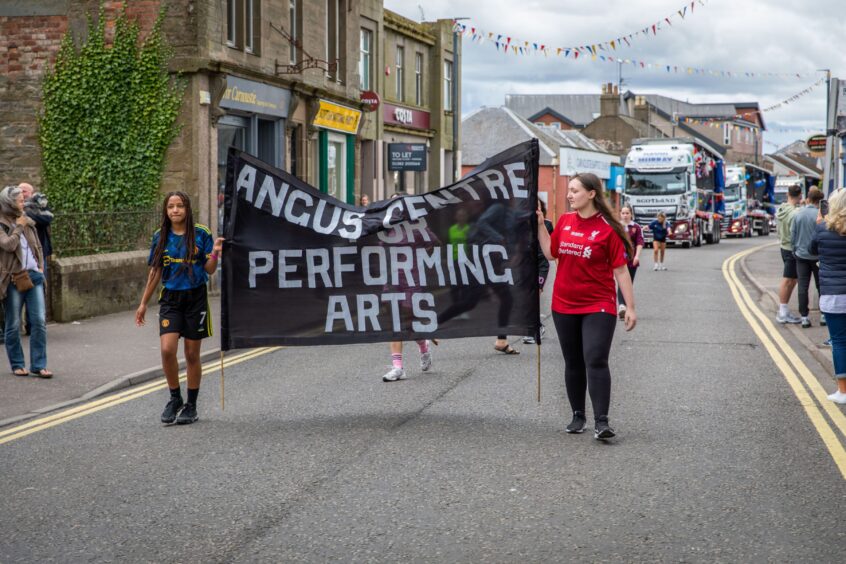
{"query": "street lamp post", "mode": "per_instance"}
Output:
(456, 61)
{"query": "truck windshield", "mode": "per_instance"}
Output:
(648, 184)
(732, 192)
(780, 197)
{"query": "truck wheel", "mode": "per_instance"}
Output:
(765, 230)
(686, 245)
(717, 237)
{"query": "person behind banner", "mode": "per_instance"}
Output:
(591, 246)
(182, 256)
(543, 270)
(410, 238)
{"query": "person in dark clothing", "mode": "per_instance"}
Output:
(543, 269)
(38, 210)
(829, 243)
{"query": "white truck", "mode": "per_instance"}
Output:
(661, 177)
(744, 214)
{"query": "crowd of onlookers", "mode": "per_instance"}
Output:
(812, 234)
(25, 250)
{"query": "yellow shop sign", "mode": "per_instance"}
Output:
(339, 118)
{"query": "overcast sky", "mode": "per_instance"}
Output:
(738, 35)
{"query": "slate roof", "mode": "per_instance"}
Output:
(488, 131)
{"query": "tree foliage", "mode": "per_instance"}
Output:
(109, 114)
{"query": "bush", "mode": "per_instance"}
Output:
(109, 114)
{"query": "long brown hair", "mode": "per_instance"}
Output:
(189, 238)
(592, 183)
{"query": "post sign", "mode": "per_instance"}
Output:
(407, 156)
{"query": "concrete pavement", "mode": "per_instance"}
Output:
(89, 358)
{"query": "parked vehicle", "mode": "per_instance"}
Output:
(747, 209)
(678, 177)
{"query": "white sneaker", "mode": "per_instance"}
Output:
(394, 374)
(426, 361)
(838, 397)
(662, 267)
(655, 266)
(788, 318)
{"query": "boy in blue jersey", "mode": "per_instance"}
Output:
(182, 255)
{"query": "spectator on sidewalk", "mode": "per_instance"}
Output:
(22, 282)
(801, 233)
(829, 242)
(38, 210)
(784, 215)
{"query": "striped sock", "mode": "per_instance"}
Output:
(396, 360)
(423, 346)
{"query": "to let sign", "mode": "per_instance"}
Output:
(407, 156)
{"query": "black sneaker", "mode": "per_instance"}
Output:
(171, 409)
(577, 425)
(187, 415)
(601, 429)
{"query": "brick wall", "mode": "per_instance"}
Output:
(27, 46)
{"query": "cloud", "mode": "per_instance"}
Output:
(753, 35)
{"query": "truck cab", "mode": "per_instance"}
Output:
(660, 176)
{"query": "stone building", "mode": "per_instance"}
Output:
(307, 85)
(280, 79)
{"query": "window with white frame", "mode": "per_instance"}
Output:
(294, 30)
(232, 22)
(448, 101)
(365, 58)
(243, 25)
(400, 74)
(418, 79)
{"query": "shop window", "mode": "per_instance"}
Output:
(267, 143)
(364, 60)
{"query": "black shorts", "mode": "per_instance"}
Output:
(185, 312)
(789, 261)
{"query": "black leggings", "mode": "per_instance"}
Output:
(632, 272)
(806, 269)
(586, 343)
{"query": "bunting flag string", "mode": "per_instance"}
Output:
(507, 43)
(601, 52)
(719, 122)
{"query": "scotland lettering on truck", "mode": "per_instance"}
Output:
(661, 177)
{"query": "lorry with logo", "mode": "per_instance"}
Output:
(744, 196)
(679, 178)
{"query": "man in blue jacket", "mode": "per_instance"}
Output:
(801, 233)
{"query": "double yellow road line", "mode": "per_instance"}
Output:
(804, 384)
(67, 415)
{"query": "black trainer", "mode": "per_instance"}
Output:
(187, 415)
(602, 430)
(171, 409)
(577, 425)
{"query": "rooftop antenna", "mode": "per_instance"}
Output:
(422, 14)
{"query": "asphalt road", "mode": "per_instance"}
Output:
(315, 459)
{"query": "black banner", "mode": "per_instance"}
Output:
(302, 268)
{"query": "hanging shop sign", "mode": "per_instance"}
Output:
(337, 118)
(256, 97)
(370, 100)
(405, 117)
(407, 156)
(816, 143)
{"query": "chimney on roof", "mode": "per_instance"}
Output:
(609, 101)
(641, 109)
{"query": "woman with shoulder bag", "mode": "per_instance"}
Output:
(22, 282)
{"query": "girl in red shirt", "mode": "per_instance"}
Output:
(591, 247)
